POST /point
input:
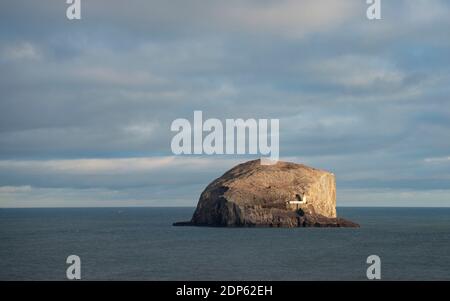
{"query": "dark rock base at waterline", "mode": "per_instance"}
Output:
(288, 222)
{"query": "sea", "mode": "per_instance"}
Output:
(142, 244)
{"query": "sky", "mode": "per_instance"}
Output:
(86, 105)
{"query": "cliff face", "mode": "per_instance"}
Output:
(280, 195)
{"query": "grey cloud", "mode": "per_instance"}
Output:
(368, 100)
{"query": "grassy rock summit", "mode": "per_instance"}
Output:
(281, 195)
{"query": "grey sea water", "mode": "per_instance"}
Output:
(142, 244)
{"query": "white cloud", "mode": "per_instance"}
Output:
(95, 197)
(14, 189)
(356, 71)
(140, 131)
(289, 18)
(115, 77)
(20, 51)
(437, 160)
(393, 198)
(88, 166)
(114, 166)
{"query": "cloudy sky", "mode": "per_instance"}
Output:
(86, 106)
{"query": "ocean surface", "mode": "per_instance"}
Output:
(142, 244)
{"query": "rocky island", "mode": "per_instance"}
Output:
(281, 195)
